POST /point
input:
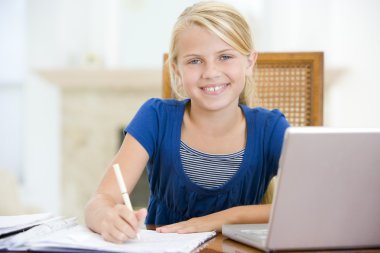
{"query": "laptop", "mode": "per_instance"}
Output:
(327, 196)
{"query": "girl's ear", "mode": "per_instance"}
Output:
(175, 69)
(252, 57)
(176, 73)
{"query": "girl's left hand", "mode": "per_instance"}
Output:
(199, 224)
(215, 221)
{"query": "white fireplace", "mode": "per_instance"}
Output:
(95, 105)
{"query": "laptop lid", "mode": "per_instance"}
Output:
(328, 190)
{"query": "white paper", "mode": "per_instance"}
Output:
(20, 240)
(17, 222)
(80, 237)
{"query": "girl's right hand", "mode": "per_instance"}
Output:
(119, 224)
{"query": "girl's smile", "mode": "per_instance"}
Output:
(214, 89)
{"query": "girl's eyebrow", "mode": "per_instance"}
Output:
(225, 50)
(190, 55)
(198, 55)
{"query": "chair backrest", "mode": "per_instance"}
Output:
(291, 82)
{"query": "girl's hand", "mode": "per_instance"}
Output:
(199, 224)
(215, 221)
(119, 224)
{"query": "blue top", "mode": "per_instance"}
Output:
(173, 196)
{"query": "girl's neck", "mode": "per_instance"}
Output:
(214, 132)
(214, 123)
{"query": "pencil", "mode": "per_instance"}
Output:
(123, 189)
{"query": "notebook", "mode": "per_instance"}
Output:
(327, 195)
(65, 235)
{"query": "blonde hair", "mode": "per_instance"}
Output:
(224, 21)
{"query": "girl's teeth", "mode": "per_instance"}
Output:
(213, 89)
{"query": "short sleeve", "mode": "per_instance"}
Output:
(144, 126)
(276, 126)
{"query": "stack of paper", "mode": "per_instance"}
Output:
(64, 235)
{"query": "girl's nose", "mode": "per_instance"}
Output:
(210, 71)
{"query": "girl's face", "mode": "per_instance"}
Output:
(211, 71)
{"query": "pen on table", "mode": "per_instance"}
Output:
(123, 189)
(14, 232)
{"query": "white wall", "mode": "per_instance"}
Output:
(354, 52)
(347, 32)
(12, 34)
(12, 76)
(11, 128)
(41, 186)
(29, 108)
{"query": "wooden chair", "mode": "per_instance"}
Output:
(291, 82)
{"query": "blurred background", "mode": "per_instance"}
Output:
(74, 72)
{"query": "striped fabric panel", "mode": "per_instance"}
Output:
(209, 170)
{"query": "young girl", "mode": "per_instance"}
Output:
(209, 157)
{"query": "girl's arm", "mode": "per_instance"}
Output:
(215, 221)
(105, 212)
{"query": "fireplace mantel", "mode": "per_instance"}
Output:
(113, 79)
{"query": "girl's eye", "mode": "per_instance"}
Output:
(225, 57)
(195, 61)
